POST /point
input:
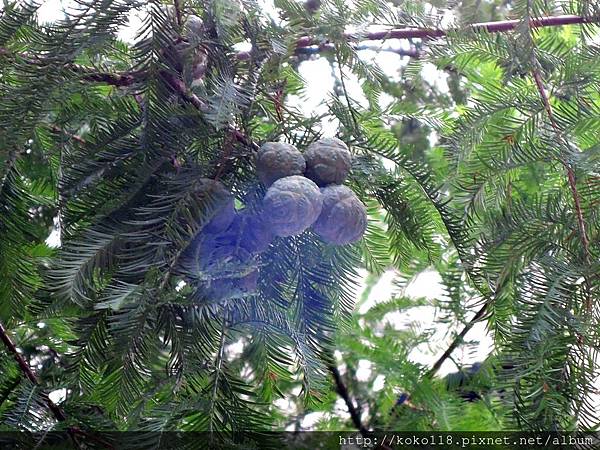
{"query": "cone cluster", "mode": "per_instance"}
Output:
(303, 191)
(306, 190)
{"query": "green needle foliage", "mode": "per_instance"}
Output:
(493, 184)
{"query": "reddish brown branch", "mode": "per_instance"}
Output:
(429, 33)
(177, 7)
(56, 411)
(114, 79)
(76, 138)
(570, 173)
(305, 43)
(54, 408)
(179, 87)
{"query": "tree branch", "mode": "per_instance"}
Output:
(5, 338)
(431, 33)
(177, 7)
(457, 341)
(56, 410)
(76, 138)
(342, 391)
(118, 79)
(570, 173)
(316, 49)
(87, 73)
(309, 44)
(179, 87)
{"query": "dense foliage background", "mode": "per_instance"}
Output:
(494, 184)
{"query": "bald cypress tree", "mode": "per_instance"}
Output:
(114, 149)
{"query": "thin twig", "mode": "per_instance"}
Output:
(177, 7)
(570, 173)
(76, 138)
(342, 390)
(459, 339)
(218, 364)
(346, 95)
(316, 49)
(54, 408)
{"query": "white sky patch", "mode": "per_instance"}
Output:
(378, 383)
(380, 292)
(310, 420)
(389, 62)
(435, 77)
(363, 371)
(235, 350)
(433, 138)
(330, 126)
(268, 7)
(319, 85)
(341, 409)
(386, 100)
(448, 18)
(354, 88)
(427, 284)
(58, 396)
(51, 10)
(245, 46)
(388, 164)
(135, 22)
(53, 240)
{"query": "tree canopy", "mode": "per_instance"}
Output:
(106, 146)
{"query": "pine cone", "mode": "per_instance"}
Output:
(224, 204)
(328, 161)
(196, 63)
(230, 288)
(291, 205)
(249, 283)
(252, 232)
(276, 160)
(227, 271)
(218, 259)
(193, 27)
(343, 219)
